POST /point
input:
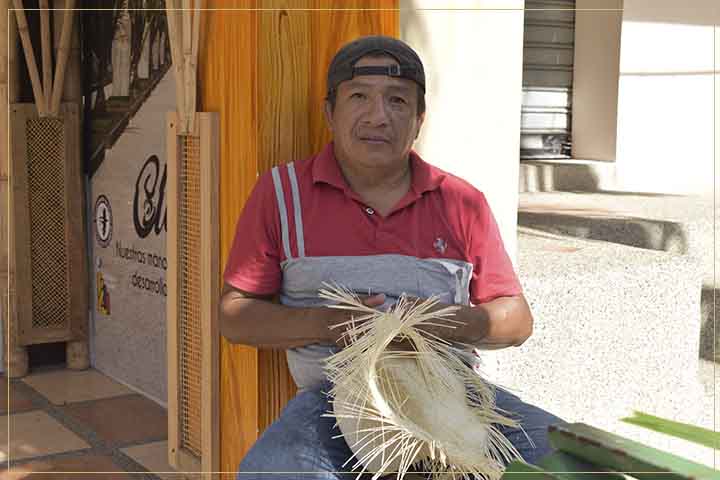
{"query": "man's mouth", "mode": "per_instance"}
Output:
(373, 139)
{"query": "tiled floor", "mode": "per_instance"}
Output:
(60, 424)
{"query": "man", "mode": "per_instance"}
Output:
(369, 214)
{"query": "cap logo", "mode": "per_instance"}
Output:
(440, 245)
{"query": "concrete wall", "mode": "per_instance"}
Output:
(643, 90)
(689, 12)
(595, 79)
(473, 63)
(665, 108)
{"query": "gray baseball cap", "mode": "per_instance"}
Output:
(343, 67)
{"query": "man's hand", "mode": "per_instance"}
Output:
(500, 323)
(337, 317)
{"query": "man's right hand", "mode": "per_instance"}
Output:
(258, 321)
(338, 316)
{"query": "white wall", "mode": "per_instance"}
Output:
(473, 67)
(717, 116)
(665, 109)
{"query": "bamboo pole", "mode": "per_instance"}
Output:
(186, 27)
(77, 347)
(15, 356)
(187, 63)
(5, 275)
(63, 55)
(71, 89)
(196, 30)
(23, 30)
(175, 39)
(45, 47)
(13, 64)
(192, 39)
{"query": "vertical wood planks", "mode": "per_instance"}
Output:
(264, 72)
(227, 85)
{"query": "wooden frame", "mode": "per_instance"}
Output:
(75, 327)
(206, 128)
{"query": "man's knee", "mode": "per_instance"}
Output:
(295, 442)
(532, 439)
(277, 451)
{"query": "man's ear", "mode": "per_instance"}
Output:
(329, 115)
(421, 120)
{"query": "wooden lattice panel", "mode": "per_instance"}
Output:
(48, 213)
(189, 294)
(49, 301)
(193, 294)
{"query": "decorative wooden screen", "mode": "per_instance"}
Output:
(193, 253)
(49, 300)
(46, 283)
(193, 294)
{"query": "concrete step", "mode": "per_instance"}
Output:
(636, 232)
(548, 175)
(676, 224)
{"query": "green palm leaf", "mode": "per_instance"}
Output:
(685, 431)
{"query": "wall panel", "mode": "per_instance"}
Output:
(264, 71)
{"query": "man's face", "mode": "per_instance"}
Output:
(375, 120)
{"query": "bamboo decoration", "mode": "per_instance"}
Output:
(188, 79)
(184, 34)
(47, 237)
(45, 46)
(63, 56)
(175, 40)
(193, 337)
(30, 58)
(191, 67)
(47, 93)
(423, 407)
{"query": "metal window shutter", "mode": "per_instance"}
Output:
(547, 79)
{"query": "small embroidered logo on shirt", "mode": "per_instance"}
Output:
(440, 245)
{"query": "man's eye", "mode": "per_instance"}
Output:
(358, 95)
(398, 100)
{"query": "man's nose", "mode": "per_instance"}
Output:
(377, 113)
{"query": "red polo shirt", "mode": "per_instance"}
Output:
(441, 216)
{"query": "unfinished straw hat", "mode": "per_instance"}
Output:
(424, 408)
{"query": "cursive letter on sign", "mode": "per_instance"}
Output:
(149, 212)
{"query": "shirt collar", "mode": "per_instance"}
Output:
(325, 169)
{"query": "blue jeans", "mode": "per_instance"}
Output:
(299, 444)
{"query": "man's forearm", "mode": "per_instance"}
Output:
(263, 324)
(503, 322)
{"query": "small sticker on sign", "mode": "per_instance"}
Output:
(103, 221)
(103, 295)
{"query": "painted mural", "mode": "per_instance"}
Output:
(128, 90)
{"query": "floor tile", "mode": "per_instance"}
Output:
(66, 386)
(67, 468)
(18, 401)
(35, 433)
(154, 457)
(122, 420)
